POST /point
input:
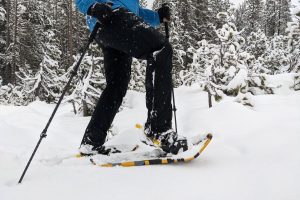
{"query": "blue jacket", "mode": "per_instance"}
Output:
(149, 16)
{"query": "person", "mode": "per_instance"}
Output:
(128, 30)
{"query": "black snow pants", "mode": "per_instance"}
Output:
(125, 36)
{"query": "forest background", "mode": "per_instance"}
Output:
(228, 49)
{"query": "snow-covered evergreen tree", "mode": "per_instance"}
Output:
(39, 71)
(270, 18)
(221, 69)
(3, 24)
(293, 39)
(282, 52)
(138, 73)
(228, 71)
(47, 82)
(31, 34)
(11, 94)
(297, 78)
(240, 16)
(275, 59)
(257, 43)
(217, 6)
(88, 84)
(276, 16)
(200, 19)
(201, 60)
(283, 15)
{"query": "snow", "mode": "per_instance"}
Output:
(281, 83)
(295, 6)
(254, 153)
(238, 80)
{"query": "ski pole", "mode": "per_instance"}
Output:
(73, 74)
(173, 95)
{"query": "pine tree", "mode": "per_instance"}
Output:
(217, 6)
(293, 37)
(6, 68)
(228, 69)
(297, 78)
(275, 58)
(24, 32)
(3, 26)
(71, 30)
(201, 61)
(201, 24)
(11, 94)
(253, 15)
(257, 43)
(89, 83)
(138, 72)
(240, 17)
(31, 34)
(47, 82)
(276, 16)
(283, 15)
(270, 18)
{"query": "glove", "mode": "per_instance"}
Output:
(164, 13)
(101, 11)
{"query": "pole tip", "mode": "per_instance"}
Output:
(209, 136)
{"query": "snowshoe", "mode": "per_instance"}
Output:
(155, 156)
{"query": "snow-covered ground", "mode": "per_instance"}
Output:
(255, 152)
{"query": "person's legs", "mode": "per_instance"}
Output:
(161, 113)
(117, 67)
(128, 33)
(149, 91)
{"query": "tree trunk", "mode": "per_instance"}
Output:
(279, 18)
(208, 87)
(70, 33)
(7, 68)
(14, 59)
(209, 99)
(7, 24)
